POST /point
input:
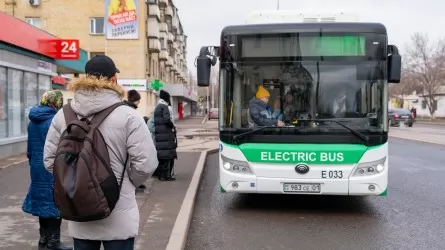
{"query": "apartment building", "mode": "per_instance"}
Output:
(146, 40)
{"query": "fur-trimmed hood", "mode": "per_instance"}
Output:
(94, 84)
(92, 95)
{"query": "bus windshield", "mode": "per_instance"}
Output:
(305, 90)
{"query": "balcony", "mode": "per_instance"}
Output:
(169, 62)
(154, 45)
(163, 56)
(169, 11)
(163, 3)
(153, 28)
(153, 11)
(175, 23)
(170, 37)
(163, 27)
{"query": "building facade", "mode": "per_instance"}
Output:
(147, 42)
(26, 72)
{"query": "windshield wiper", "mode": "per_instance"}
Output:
(237, 137)
(357, 133)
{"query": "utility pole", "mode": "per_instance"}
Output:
(278, 4)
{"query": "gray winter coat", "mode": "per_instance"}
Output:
(125, 133)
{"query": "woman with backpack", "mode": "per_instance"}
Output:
(39, 201)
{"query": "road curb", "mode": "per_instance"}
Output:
(13, 164)
(178, 236)
(419, 140)
(206, 118)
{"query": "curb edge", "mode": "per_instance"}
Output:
(13, 164)
(178, 236)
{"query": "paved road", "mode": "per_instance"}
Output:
(410, 217)
(421, 132)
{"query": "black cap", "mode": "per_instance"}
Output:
(101, 66)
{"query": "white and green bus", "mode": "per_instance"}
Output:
(328, 82)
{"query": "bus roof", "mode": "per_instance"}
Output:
(304, 27)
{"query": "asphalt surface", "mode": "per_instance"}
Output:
(412, 216)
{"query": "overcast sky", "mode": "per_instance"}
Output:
(203, 20)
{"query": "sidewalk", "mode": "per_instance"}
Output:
(159, 205)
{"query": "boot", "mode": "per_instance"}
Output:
(54, 241)
(43, 238)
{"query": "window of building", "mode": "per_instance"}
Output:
(3, 104)
(96, 25)
(93, 54)
(15, 103)
(44, 84)
(19, 92)
(34, 21)
(31, 95)
(162, 40)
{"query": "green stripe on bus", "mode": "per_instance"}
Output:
(303, 153)
(384, 193)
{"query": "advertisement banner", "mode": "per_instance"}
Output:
(136, 84)
(121, 19)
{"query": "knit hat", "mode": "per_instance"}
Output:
(133, 96)
(164, 95)
(262, 92)
(53, 99)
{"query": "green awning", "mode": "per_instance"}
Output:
(73, 66)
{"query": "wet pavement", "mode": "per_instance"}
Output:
(410, 217)
(159, 206)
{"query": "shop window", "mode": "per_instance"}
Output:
(34, 21)
(44, 85)
(3, 104)
(15, 103)
(31, 95)
(96, 25)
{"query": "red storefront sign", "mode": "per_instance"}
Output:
(61, 49)
(17, 32)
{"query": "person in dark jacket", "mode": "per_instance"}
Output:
(39, 200)
(165, 136)
(259, 113)
(133, 100)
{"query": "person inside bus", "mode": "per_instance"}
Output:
(259, 113)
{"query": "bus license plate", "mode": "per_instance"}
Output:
(301, 188)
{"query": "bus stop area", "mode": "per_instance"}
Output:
(159, 204)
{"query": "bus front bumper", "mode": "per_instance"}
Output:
(360, 186)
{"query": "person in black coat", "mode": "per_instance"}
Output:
(165, 137)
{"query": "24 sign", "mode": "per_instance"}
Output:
(61, 49)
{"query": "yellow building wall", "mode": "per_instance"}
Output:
(70, 19)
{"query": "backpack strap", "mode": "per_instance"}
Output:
(69, 113)
(100, 117)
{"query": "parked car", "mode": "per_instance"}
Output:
(213, 114)
(398, 116)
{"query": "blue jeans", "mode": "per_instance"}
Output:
(108, 245)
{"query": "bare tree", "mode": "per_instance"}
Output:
(407, 86)
(426, 65)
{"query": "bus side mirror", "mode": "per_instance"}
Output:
(204, 63)
(394, 64)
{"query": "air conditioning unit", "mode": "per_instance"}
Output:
(34, 2)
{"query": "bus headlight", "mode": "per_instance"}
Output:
(370, 168)
(239, 167)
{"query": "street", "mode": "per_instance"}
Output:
(410, 217)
